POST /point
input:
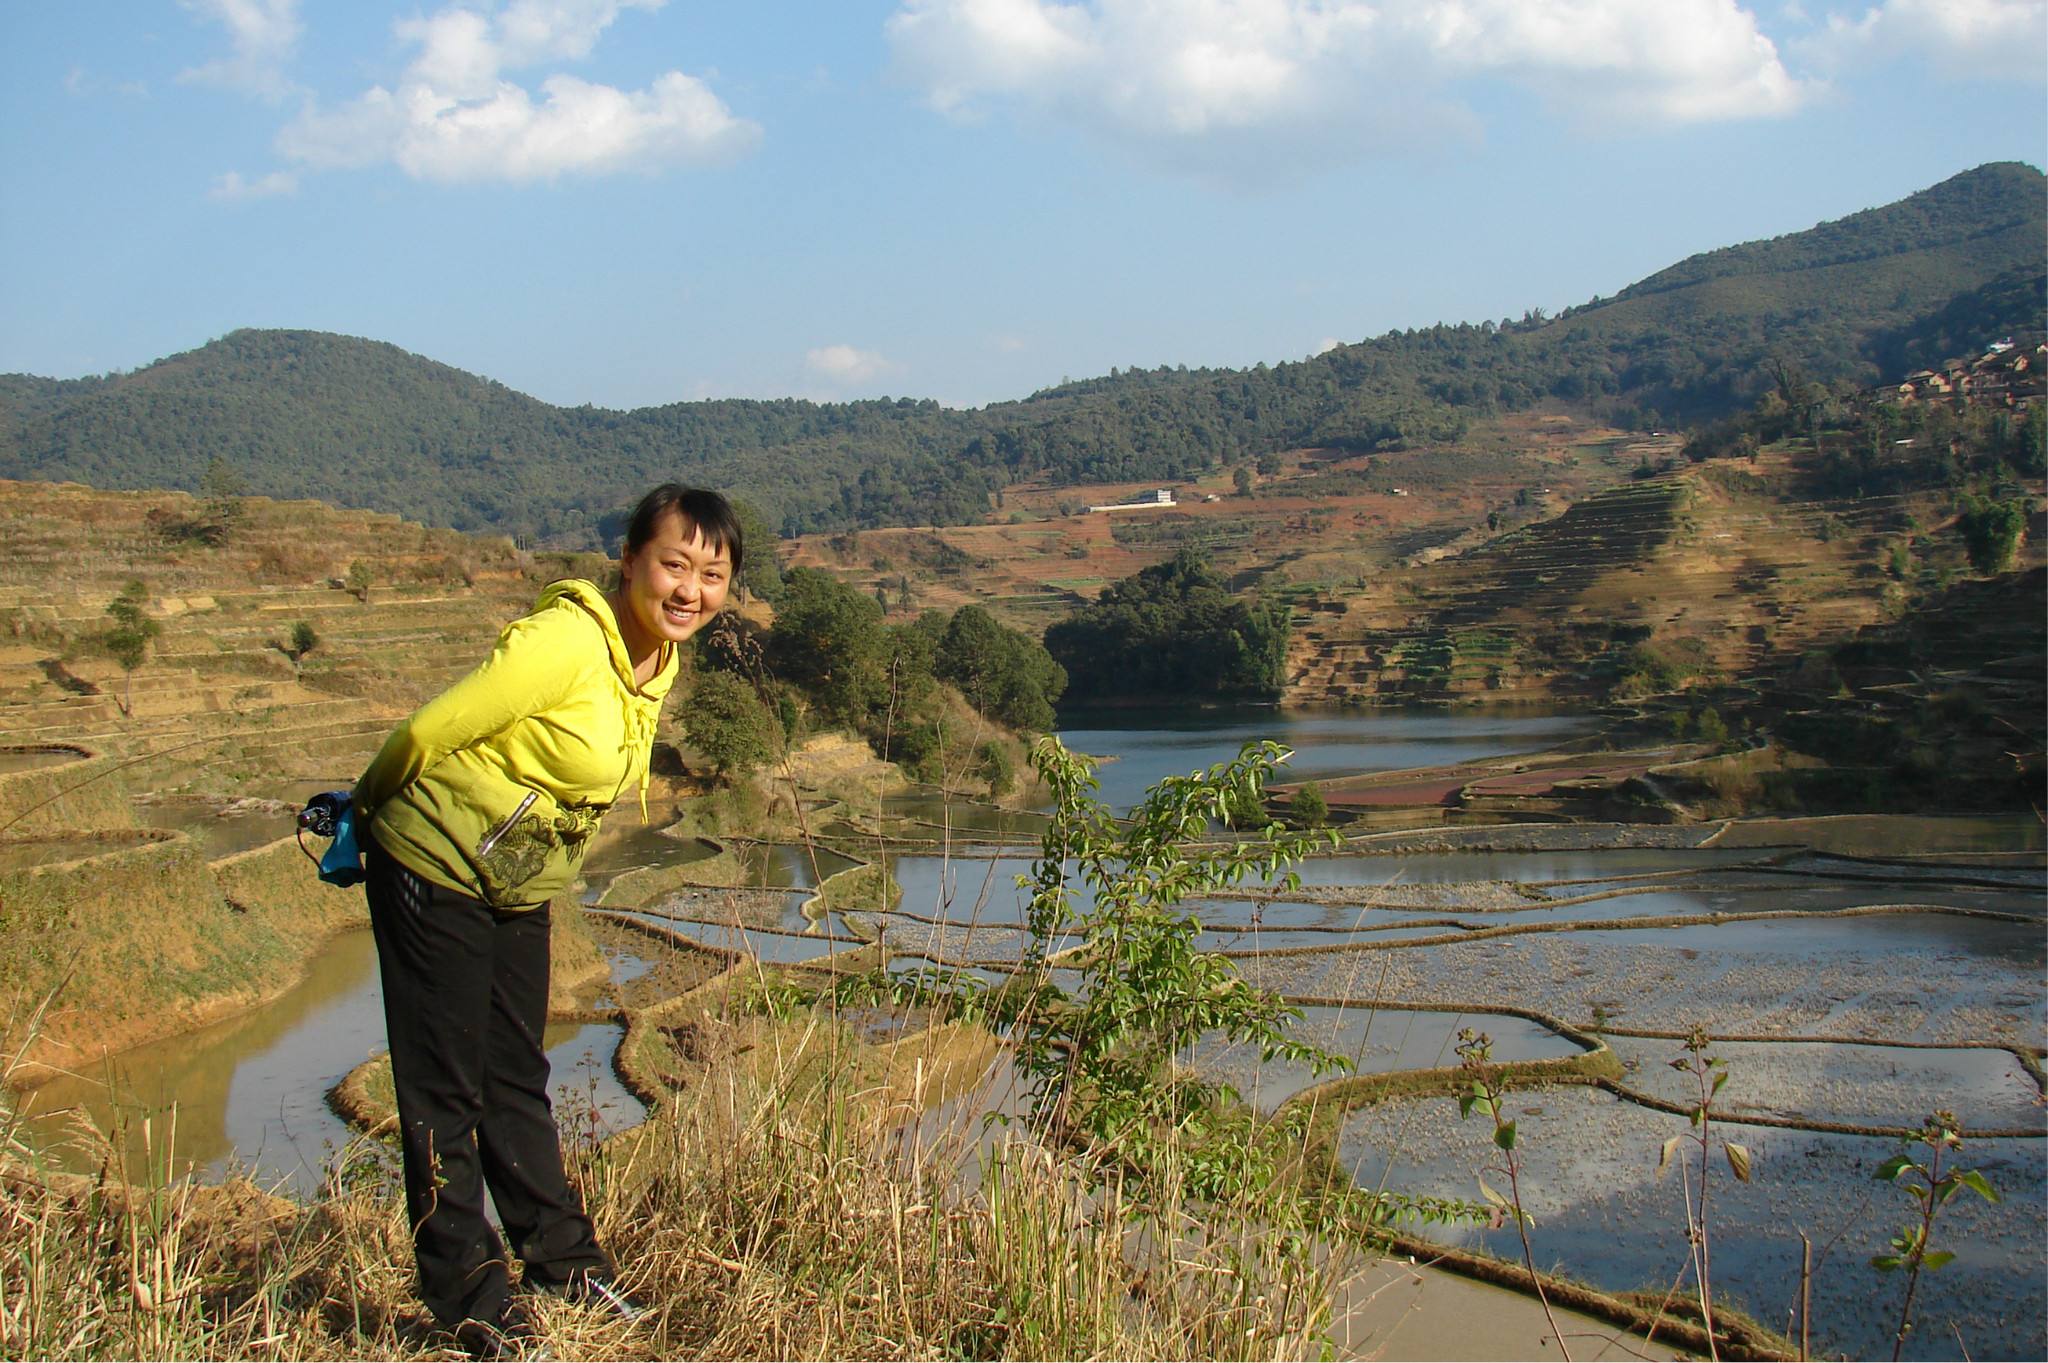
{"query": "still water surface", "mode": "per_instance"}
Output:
(1150, 744)
(251, 1091)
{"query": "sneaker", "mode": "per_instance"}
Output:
(511, 1335)
(594, 1289)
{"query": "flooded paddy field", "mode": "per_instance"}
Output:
(250, 1092)
(1373, 1041)
(222, 828)
(1915, 977)
(1326, 743)
(774, 946)
(1848, 1083)
(1814, 960)
(16, 757)
(1603, 1215)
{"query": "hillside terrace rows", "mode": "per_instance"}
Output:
(1741, 582)
(218, 702)
(1404, 638)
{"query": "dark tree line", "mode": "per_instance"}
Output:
(362, 423)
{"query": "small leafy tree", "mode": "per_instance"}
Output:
(1241, 480)
(358, 580)
(1992, 532)
(1485, 1092)
(1924, 1181)
(725, 720)
(1309, 808)
(1099, 1064)
(992, 764)
(1709, 1073)
(303, 641)
(1712, 729)
(128, 640)
(223, 489)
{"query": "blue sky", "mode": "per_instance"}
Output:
(628, 202)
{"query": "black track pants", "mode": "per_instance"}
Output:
(465, 1003)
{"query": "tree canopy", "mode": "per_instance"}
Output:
(1172, 630)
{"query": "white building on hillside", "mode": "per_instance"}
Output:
(1157, 497)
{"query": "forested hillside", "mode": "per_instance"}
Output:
(362, 423)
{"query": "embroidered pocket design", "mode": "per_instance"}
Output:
(521, 847)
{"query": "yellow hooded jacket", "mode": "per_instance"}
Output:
(493, 788)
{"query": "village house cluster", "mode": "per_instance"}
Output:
(2007, 375)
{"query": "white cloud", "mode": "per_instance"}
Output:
(1326, 345)
(264, 35)
(233, 188)
(1260, 75)
(1009, 344)
(453, 115)
(843, 364)
(82, 84)
(1962, 39)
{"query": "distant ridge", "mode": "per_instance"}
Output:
(362, 423)
(1981, 205)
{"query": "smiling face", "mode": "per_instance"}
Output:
(669, 588)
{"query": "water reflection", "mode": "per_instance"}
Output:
(252, 1088)
(251, 1091)
(1601, 1213)
(1150, 744)
(1375, 1041)
(930, 807)
(220, 832)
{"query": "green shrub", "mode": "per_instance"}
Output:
(726, 722)
(992, 764)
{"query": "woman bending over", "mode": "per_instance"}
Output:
(478, 810)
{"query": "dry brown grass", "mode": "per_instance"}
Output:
(782, 1209)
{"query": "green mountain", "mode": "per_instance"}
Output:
(362, 423)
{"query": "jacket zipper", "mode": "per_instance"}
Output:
(483, 849)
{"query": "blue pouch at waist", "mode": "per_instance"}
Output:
(343, 864)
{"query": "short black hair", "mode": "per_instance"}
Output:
(702, 511)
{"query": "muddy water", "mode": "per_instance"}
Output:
(1373, 1041)
(219, 832)
(968, 817)
(780, 866)
(636, 848)
(1514, 866)
(1860, 1085)
(251, 1091)
(1589, 1177)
